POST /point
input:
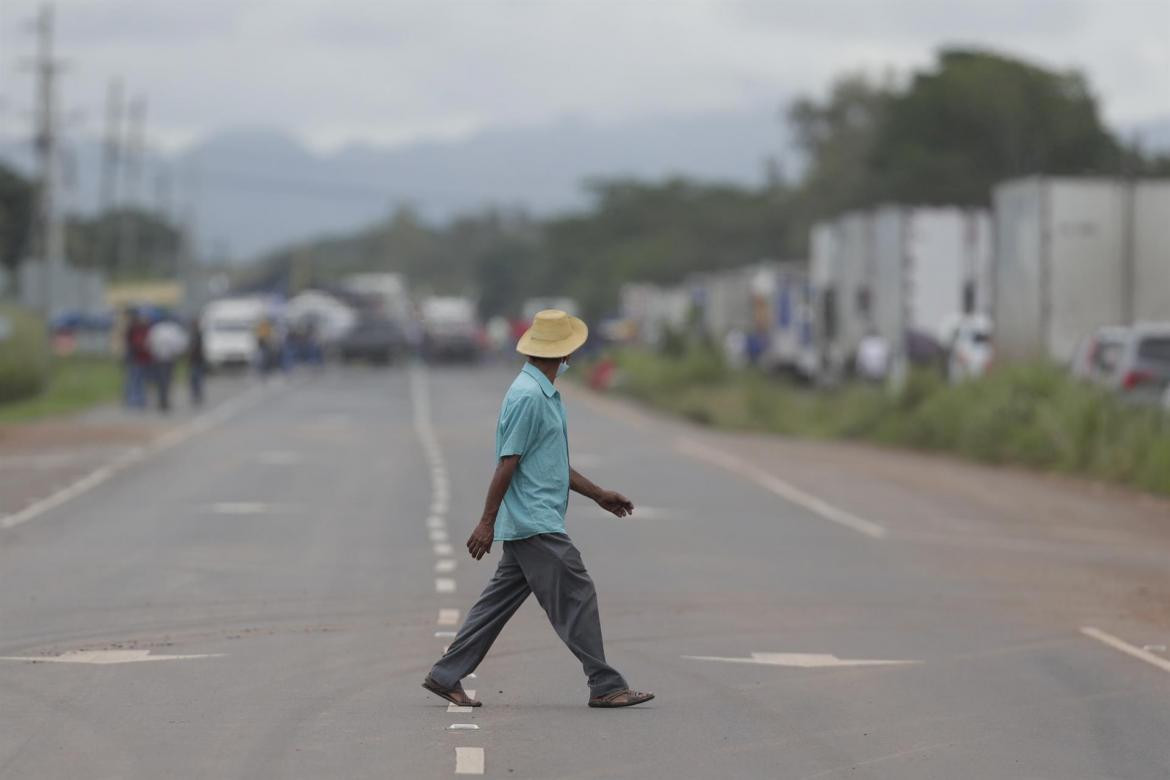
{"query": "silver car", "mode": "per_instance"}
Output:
(1132, 361)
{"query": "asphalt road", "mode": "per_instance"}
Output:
(260, 595)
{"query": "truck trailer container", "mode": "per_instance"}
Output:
(1074, 255)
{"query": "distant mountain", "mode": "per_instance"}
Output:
(259, 189)
(1153, 134)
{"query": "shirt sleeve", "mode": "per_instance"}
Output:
(517, 424)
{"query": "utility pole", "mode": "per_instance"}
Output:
(108, 232)
(162, 255)
(133, 151)
(48, 229)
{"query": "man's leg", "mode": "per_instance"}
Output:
(499, 601)
(553, 568)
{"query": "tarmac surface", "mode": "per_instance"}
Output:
(257, 590)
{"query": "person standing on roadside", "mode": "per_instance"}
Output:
(167, 342)
(137, 359)
(525, 512)
(196, 363)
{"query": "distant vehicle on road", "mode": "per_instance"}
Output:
(450, 329)
(373, 339)
(229, 331)
(1132, 361)
(533, 305)
(970, 351)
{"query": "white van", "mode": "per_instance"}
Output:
(229, 330)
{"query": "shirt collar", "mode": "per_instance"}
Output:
(542, 380)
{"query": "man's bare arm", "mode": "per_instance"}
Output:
(609, 500)
(480, 542)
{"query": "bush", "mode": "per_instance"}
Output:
(1032, 415)
(24, 362)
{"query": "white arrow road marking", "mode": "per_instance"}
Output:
(800, 660)
(469, 761)
(1125, 647)
(107, 657)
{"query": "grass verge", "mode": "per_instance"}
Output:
(1031, 415)
(73, 384)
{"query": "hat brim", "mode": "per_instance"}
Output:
(554, 349)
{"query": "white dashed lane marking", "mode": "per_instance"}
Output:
(469, 761)
(448, 617)
(442, 548)
(444, 585)
(444, 566)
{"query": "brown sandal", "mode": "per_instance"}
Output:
(456, 695)
(623, 698)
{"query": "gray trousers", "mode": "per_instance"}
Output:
(549, 566)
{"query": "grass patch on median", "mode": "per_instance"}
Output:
(72, 384)
(1032, 415)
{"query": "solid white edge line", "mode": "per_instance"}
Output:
(200, 424)
(1126, 647)
(469, 761)
(781, 488)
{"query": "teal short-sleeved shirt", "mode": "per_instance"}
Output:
(532, 425)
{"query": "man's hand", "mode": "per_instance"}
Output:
(614, 502)
(480, 541)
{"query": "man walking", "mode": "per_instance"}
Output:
(525, 512)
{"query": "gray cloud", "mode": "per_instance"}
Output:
(387, 70)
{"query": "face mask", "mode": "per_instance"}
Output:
(562, 368)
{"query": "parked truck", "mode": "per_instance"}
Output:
(902, 273)
(1074, 255)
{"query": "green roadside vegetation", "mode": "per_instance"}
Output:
(1030, 415)
(73, 384)
(34, 385)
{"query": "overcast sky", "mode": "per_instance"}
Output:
(387, 71)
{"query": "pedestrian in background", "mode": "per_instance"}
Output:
(525, 512)
(167, 342)
(196, 363)
(137, 359)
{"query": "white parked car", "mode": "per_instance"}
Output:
(229, 330)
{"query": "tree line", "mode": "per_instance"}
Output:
(946, 135)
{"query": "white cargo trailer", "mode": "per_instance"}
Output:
(1151, 251)
(895, 270)
(1074, 255)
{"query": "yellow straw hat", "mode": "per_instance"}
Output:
(553, 334)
